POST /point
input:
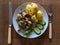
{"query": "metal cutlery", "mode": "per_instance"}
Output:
(10, 22)
(50, 21)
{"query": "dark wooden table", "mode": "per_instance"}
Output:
(18, 40)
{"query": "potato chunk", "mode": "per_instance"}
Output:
(34, 19)
(39, 15)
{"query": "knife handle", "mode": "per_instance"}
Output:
(9, 35)
(50, 30)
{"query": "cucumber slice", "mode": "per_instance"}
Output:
(37, 31)
(42, 22)
(27, 32)
(40, 26)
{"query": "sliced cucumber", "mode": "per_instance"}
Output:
(40, 26)
(27, 32)
(37, 31)
(42, 22)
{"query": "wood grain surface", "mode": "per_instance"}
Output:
(18, 40)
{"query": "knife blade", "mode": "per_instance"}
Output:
(10, 13)
(10, 22)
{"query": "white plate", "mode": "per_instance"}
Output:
(32, 35)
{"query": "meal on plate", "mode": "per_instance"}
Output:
(31, 19)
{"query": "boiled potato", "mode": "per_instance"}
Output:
(34, 8)
(34, 19)
(31, 9)
(28, 9)
(39, 15)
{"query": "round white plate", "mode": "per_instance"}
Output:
(33, 34)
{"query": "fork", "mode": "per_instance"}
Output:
(50, 21)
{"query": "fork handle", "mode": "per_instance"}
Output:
(50, 30)
(9, 35)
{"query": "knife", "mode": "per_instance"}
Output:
(10, 22)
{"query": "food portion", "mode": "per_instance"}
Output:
(31, 8)
(34, 18)
(39, 15)
(31, 19)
